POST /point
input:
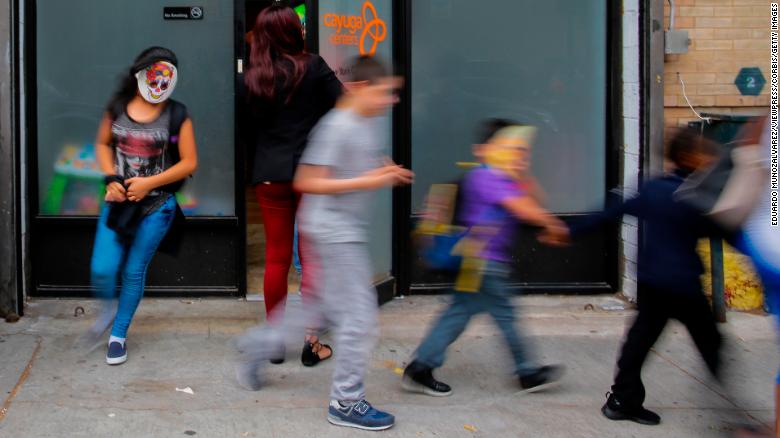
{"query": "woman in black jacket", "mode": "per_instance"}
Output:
(288, 91)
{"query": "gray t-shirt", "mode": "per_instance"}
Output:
(141, 149)
(349, 145)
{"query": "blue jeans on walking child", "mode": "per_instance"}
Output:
(112, 257)
(495, 298)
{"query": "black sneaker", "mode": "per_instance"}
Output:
(615, 410)
(419, 378)
(543, 378)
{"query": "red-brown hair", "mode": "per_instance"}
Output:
(277, 55)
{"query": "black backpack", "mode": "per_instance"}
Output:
(178, 116)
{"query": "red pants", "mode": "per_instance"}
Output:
(278, 203)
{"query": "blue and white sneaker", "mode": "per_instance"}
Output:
(360, 415)
(117, 353)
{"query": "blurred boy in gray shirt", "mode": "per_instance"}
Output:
(338, 172)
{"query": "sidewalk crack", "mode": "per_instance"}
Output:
(22, 378)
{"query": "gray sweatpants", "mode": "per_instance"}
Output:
(345, 300)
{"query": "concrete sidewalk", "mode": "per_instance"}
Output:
(52, 390)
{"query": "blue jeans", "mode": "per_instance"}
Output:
(111, 257)
(769, 273)
(493, 298)
(296, 257)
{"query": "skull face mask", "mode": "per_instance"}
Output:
(156, 82)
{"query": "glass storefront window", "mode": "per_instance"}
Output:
(537, 62)
(82, 48)
(348, 28)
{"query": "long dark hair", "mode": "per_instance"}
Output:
(277, 56)
(128, 85)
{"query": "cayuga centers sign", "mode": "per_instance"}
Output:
(365, 31)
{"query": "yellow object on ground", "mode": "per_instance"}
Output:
(743, 289)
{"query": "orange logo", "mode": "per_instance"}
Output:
(373, 29)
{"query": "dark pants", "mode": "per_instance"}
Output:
(656, 307)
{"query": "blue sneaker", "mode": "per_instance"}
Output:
(360, 415)
(117, 353)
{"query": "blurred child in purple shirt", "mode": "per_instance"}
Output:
(493, 200)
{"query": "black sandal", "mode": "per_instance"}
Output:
(310, 356)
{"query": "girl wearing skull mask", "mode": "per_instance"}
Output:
(138, 154)
(288, 91)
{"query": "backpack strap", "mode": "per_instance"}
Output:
(115, 111)
(178, 113)
(178, 116)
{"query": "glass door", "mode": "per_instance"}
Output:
(81, 47)
(539, 63)
(255, 233)
(348, 28)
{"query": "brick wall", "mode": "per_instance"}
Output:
(631, 140)
(726, 35)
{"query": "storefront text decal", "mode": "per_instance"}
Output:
(373, 29)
